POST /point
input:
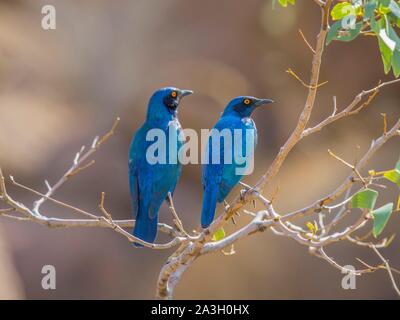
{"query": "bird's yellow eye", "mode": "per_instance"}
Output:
(173, 94)
(246, 101)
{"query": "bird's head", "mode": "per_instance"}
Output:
(165, 101)
(244, 105)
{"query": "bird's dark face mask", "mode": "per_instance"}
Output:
(173, 99)
(245, 106)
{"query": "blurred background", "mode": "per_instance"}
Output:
(60, 88)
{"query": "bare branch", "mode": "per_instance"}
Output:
(177, 220)
(352, 167)
(77, 165)
(320, 253)
(63, 204)
(389, 270)
(294, 75)
(306, 41)
(385, 124)
(352, 109)
(4, 211)
(310, 101)
(375, 146)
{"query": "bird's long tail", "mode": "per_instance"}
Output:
(209, 205)
(145, 226)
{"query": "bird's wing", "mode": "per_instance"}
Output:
(136, 154)
(176, 169)
(230, 175)
(134, 187)
(211, 178)
(213, 172)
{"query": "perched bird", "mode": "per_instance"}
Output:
(151, 182)
(219, 177)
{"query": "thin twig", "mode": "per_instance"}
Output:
(77, 166)
(353, 167)
(389, 270)
(294, 75)
(177, 220)
(385, 124)
(352, 109)
(63, 204)
(306, 42)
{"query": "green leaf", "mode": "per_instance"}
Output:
(384, 3)
(384, 9)
(374, 25)
(394, 8)
(397, 167)
(381, 217)
(393, 176)
(284, 3)
(332, 33)
(385, 33)
(393, 35)
(369, 9)
(358, 6)
(396, 63)
(365, 199)
(219, 235)
(313, 227)
(341, 10)
(386, 55)
(396, 52)
(350, 34)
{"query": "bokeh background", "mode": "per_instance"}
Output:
(60, 88)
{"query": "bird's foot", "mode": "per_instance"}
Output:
(242, 194)
(246, 189)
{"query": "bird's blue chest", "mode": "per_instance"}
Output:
(244, 134)
(250, 130)
(156, 146)
(229, 172)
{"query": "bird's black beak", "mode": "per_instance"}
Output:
(261, 102)
(183, 93)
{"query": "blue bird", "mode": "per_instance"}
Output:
(150, 181)
(220, 175)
